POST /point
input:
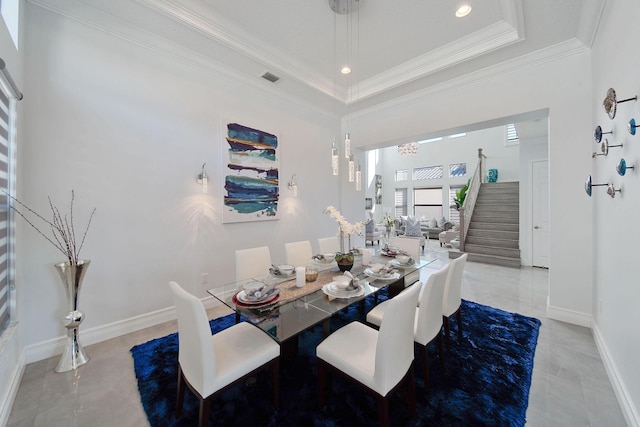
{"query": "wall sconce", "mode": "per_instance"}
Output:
(293, 186)
(203, 179)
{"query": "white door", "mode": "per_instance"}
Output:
(540, 213)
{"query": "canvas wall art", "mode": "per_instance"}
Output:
(250, 167)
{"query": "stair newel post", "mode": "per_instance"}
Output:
(483, 175)
(463, 230)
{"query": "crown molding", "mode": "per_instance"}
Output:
(530, 60)
(486, 40)
(244, 43)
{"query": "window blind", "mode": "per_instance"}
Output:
(5, 108)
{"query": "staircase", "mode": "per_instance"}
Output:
(493, 235)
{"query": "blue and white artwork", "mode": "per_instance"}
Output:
(251, 184)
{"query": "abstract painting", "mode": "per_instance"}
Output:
(250, 168)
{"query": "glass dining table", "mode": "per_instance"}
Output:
(297, 309)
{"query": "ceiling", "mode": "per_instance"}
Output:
(394, 47)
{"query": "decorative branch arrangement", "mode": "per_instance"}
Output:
(63, 233)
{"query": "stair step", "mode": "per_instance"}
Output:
(493, 226)
(489, 208)
(493, 234)
(506, 219)
(492, 242)
(487, 259)
(491, 250)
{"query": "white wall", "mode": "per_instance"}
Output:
(615, 227)
(128, 129)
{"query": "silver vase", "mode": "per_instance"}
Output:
(72, 275)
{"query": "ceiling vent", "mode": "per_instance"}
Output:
(270, 77)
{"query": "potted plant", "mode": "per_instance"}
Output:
(461, 194)
(345, 261)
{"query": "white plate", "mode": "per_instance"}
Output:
(242, 297)
(394, 276)
(397, 263)
(333, 291)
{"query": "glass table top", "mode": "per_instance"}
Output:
(298, 309)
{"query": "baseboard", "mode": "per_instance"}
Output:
(55, 346)
(629, 410)
(569, 316)
(11, 386)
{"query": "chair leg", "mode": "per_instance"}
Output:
(411, 391)
(445, 321)
(322, 379)
(205, 410)
(440, 352)
(383, 410)
(275, 372)
(459, 318)
(180, 394)
(425, 369)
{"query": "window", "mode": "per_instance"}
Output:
(457, 135)
(512, 135)
(427, 202)
(454, 215)
(457, 169)
(429, 172)
(401, 202)
(402, 175)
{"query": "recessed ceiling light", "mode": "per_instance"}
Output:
(345, 70)
(463, 10)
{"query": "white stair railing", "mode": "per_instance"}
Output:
(466, 210)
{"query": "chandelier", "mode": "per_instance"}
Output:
(408, 149)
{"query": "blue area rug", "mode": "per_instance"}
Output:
(485, 381)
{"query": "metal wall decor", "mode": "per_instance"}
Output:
(612, 191)
(611, 102)
(588, 185)
(631, 126)
(597, 134)
(622, 167)
(604, 147)
(594, 154)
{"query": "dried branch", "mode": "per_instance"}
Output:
(63, 236)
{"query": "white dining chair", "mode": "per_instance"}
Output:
(409, 245)
(452, 299)
(252, 262)
(328, 244)
(298, 253)
(428, 319)
(380, 360)
(209, 364)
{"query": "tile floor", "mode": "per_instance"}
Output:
(569, 388)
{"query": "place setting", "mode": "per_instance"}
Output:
(283, 270)
(382, 272)
(403, 261)
(344, 286)
(256, 295)
(324, 258)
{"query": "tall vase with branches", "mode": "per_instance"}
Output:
(72, 271)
